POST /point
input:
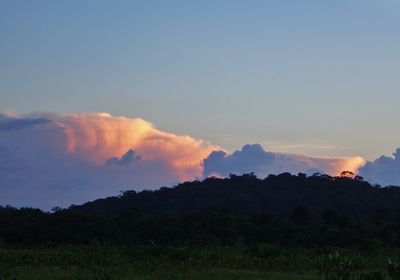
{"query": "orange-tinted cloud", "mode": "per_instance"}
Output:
(331, 166)
(99, 137)
(352, 164)
(80, 157)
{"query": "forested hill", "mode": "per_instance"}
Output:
(284, 209)
(247, 195)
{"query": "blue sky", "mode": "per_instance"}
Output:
(314, 77)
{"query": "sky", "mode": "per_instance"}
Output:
(314, 78)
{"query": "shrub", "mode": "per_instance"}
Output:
(374, 275)
(370, 246)
(393, 270)
(265, 251)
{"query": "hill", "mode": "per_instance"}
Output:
(285, 209)
(248, 195)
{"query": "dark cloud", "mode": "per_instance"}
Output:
(16, 123)
(127, 159)
(48, 160)
(383, 170)
(252, 158)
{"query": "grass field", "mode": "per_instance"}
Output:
(157, 262)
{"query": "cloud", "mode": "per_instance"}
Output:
(128, 158)
(383, 170)
(7, 123)
(48, 159)
(98, 137)
(253, 158)
(51, 160)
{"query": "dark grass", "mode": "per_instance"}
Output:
(160, 262)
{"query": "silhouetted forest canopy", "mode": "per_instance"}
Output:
(286, 210)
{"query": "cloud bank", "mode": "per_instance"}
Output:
(383, 170)
(253, 158)
(100, 137)
(49, 160)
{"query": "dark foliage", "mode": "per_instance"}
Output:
(247, 195)
(281, 209)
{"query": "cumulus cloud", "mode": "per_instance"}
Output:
(128, 158)
(48, 160)
(383, 170)
(253, 158)
(98, 137)
(51, 160)
(15, 123)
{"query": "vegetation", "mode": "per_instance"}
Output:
(286, 210)
(242, 227)
(263, 261)
(247, 195)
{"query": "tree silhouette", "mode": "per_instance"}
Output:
(347, 174)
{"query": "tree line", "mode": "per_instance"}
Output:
(287, 210)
